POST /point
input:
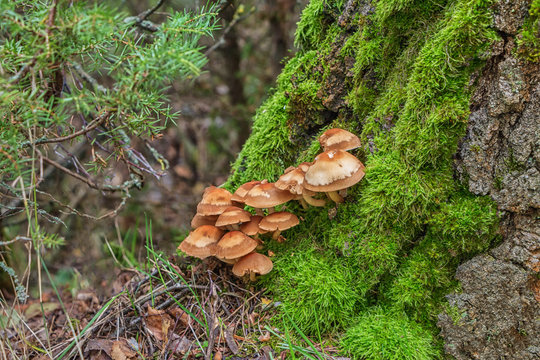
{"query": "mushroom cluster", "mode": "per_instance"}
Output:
(225, 230)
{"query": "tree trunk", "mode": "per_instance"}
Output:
(446, 101)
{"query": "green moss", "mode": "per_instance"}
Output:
(316, 291)
(314, 20)
(380, 334)
(402, 231)
(529, 39)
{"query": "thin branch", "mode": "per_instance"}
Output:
(125, 186)
(142, 16)
(17, 238)
(91, 126)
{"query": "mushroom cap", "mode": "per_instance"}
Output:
(253, 263)
(333, 170)
(200, 220)
(251, 228)
(267, 195)
(305, 166)
(339, 139)
(233, 215)
(201, 242)
(243, 189)
(233, 245)
(281, 220)
(291, 181)
(215, 200)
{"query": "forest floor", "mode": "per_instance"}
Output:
(175, 311)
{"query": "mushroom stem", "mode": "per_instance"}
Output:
(335, 196)
(303, 203)
(271, 210)
(343, 192)
(252, 276)
(235, 227)
(259, 212)
(313, 202)
(276, 234)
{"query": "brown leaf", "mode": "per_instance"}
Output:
(179, 315)
(158, 323)
(180, 345)
(121, 351)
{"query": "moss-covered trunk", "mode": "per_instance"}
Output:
(419, 81)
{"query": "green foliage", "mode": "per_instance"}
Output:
(314, 20)
(380, 334)
(53, 54)
(529, 40)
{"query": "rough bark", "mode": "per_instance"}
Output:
(500, 157)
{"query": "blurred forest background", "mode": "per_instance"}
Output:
(244, 55)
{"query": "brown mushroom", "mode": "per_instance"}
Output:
(233, 245)
(243, 189)
(201, 242)
(332, 171)
(267, 196)
(232, 217)
(200, 220)
(252, 228)
(278, 222)
(252, 264)
(339, 139)
(292, 181)
(215, 200)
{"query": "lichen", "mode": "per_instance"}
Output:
(396, 241)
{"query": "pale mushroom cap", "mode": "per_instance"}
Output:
(252, 227)
(243, 189)
(339, 139)
(233, 215)
(214, 202)
(305, 166)
(282, 220)
(253, 263)
(333, 170)
(291, 181)
(267, 195)
(201, 242)
(234, 244)
(200, 220)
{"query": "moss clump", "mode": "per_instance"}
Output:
(398, 238)
(317, 291)
(381, 334)
(529, 40)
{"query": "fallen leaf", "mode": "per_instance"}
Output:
(266, 301)
(179, 315)
(180, 345)
(120, 351)
(158, 323)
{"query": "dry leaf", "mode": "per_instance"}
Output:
(158, 323)
(121, 351)
(179, 315)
